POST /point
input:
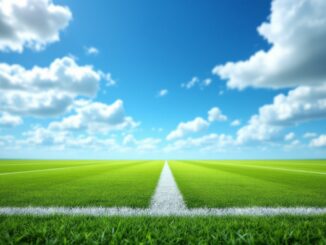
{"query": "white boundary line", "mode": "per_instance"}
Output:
(129, 212)
(167, 201)
(167, 195)
(282, 169)
(39, 170)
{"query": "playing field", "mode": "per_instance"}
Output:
(135, 184)
(251, 183)
(78, 183)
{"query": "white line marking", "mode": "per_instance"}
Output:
(125, 211)
(167, 196)
(167, 201)
(49, 169)
(272, 168)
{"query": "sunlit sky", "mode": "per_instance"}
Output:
(163, 79)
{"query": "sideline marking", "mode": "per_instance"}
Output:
(272, 168)
(48, 169)
(283, 169)
(130, 212)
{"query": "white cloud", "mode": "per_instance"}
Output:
(8, 120)
(210, 142)
(215, 114)
(309, 135)
(297, 34)
(292, 61)
(197, 124)
(299, 105)
(319, 142)
(146, 144)
(235, 123)
(46, 91)
(108, 78)
(185, 128)
(290, 136)
(196, 81)
(207, 82)
(31, 23)
(163, 92)
(91, 50)
(191, 83)
(96, 117)
(256, 130)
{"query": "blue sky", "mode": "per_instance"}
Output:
(162, 79)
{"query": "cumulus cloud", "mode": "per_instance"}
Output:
(207, 82)
(210, 142)
(197, 124)
(235, 123)
(146, 144)
(184, 128)
(96, 117)
(297, 34)
(215, 114)
(162, 92)
(46, 91)
(31, 23)
(319, 141)
(296, 31)
(91, 50)
(299, 105)
(60, 140)
(7, 120)
(290, 136)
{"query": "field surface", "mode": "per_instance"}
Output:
(169, 230)
(133, 183)
(78, 183)
(251, 183)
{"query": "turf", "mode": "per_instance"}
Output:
(141, 230)
(251, 183)
(71, 183)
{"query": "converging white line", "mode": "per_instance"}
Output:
(167, 196)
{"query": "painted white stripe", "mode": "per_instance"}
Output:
(286, 169)
(167, 196)
(167, 201)
(48, 169)
(125, 211)
(274, 168)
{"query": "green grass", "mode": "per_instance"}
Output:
(251, 183)
(142, 230)
(78, 183)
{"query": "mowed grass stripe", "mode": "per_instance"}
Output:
(47, 164)
(105, 184)
(212, 184)
(271, 168)
(66, 165)
(46, 170)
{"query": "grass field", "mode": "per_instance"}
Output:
(78, 183)
(251, 183)
(170, 230)
(132, 184)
